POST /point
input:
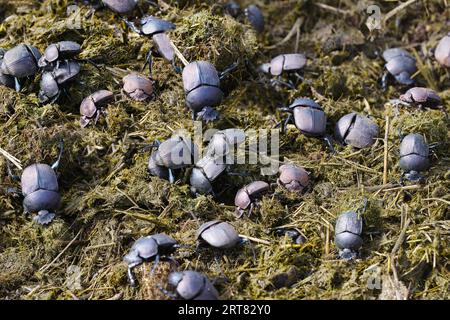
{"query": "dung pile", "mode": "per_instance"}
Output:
(109, 200)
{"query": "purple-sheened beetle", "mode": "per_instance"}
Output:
(253, 14)
(149, 248)
(90, 108)
(289, 64)
(414, 152)
(21, 61)
(356, 130)
(138, 87)
(422, 98)
(58, 51)
(348, 231)
(293, 178)
(40, 189)
(218, 234)
(442, 52)
(400, 65)
(54, 82)
(309, 117)
(5, 79)
(190, 285)
(246, 196)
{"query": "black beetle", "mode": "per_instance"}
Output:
(156, 28)
(6, 79)
(90, 107)
(348, 231)
(54, 82)
(246, 196)
(442, 52)
(253, 14)
(288, 64)
(400, 65)
(356, 130)
(40, 189)
(58, 51)
(218, 157)
(146, 249)
(218, 234)
(21, 61)
(309, 117)
(191, 285)
(414, 152)
(175, 153)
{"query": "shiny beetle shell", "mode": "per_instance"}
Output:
(137, 87)
(59, 50)
(356, 130)
(224, 141)
(21, 61)
(40, 188)
(255, 17)
(6, 79)
(286, 63)
(244, 197)
(206, 170)
(293, 178)
(442, 52)
(152, 25)
(89, 106)
(422, 96)
(400, 64)
(202, 85)
(309, 117)
(120, 6)
(218, 234)
(147, 248)
(156, 170)
(348, 231)
(192, 285)
(414, 152)
(176, 152)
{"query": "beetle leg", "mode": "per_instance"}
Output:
(132, 26)
(149, 62)
(157, 258)
(384, 80)
(61, 149)
(171, 176)
(167, 293)
(17, 84)
(284, 123)
(130, 273)
(239, 212)
(44, 217)
(13, 176)
(228, 70)
(328, 141)
(252, 205)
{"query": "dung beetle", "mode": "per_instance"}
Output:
(147, 249)
(201, 83)
(158, 171)
(414, 153)
(356, 130)
(58, 51)
(21, 61)
(156, 28)
(348, 231)
(293, 178)
(246, 196)
(90, 106)
(293, 234)
(54, 82)
(253, 14)
(309, 117)
(422, 98)
(120, 6)
(138, 87)
(175, 153)
(289, 64)
(400, 65)
(442, 52)
(218, 157)
(190, 285)
(40, 189)
(218, 234)
(5, 79)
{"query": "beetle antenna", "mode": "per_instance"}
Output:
(61, 150)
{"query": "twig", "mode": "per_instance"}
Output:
(396, 10)
(437, 199)
(295, 30)
(332, 9)
(11, 158)
(386, 152)
(255, 239)
(179, 54)
(61, 253)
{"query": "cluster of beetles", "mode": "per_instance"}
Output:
(59, 66)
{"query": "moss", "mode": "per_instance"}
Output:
(108, 199)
